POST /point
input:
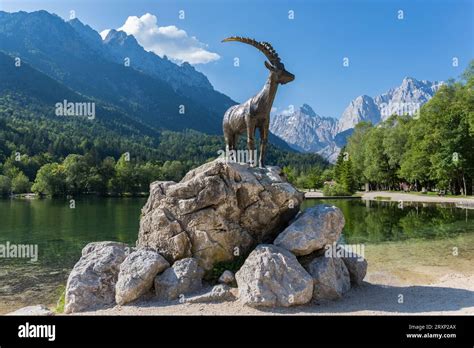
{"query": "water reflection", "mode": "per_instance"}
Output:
(378, 221)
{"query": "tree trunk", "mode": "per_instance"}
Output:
(464, 184)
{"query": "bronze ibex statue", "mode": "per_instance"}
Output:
(255, 112)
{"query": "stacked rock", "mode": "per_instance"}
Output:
(220, 212)
(273, 276)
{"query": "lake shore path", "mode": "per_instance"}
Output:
(400, 196)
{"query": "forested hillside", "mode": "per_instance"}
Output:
(432, 151)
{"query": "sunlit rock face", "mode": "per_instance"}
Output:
(217, 212)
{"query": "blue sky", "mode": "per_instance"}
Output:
(381, 48)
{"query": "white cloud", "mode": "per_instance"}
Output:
(288, 111)
(171, 41)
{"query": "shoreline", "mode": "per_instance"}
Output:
(380, 196)
(387, 196)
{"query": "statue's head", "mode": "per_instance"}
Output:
(273, 64)
(282, 75)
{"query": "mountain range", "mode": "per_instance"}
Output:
(76, 56)
(306, 131)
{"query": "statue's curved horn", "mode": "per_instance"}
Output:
(264, 47)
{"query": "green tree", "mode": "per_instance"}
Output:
(347, 179)
(99, 177)
(125, 179)
(5, 185)
(440, 142)
(356, 149)
(50, 180)
(344, 174)
(339, 164)
(315, 178)
(21, 183)
(77, 172)
(10, 168)
(376, 167)
(290, 173)
(147, 173)
(327, 175)
(395, 140)
(173, 170)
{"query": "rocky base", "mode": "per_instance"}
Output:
(38, 310)
(219, 212)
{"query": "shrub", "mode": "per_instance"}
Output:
(61, 300)
(220, 267)
(21, 183)
(335, 190)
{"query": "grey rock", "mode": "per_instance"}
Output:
(217, 209)
(38, 310)
(356, 265)
(331, 278)
(218, 293)
(312, 230)
(227, 277)
(271, 276)
(92, 281)
(137, 273)
(184, 277)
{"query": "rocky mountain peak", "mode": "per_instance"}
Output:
(308, 110)
(120, 37)
(85, 32)
(116, 45)
(304, 130)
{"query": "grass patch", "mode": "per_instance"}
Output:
(220, 267)
(382, 198)
(61, 301)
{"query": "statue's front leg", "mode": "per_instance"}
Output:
(263, 145)
(251, 145)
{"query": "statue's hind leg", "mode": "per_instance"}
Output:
(233, 147)
(251, 145)
(228, 137)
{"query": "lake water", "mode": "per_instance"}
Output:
(61, 232)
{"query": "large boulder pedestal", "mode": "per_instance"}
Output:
(218, 212)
